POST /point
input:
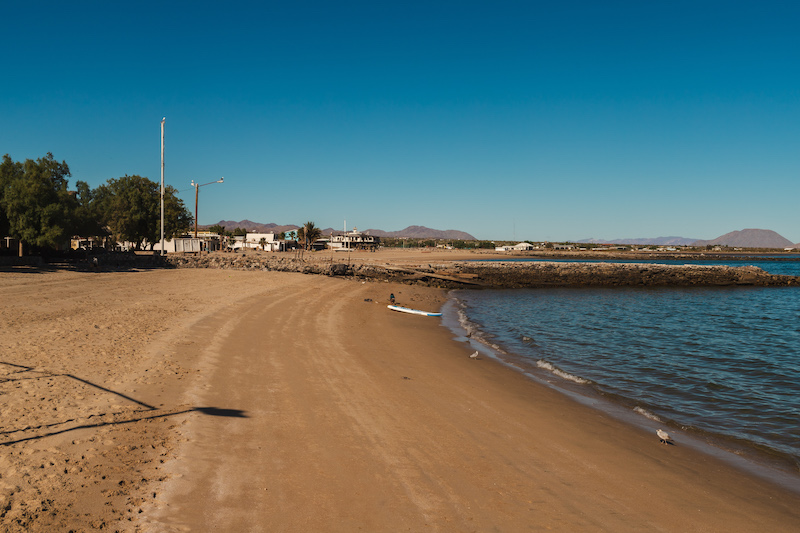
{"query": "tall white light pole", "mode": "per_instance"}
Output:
(162, 185)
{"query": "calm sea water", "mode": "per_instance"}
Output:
(787, 265)
(722, 363)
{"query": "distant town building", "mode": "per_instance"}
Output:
(206, 241)
(523, 246)
(259, 241)
(85, 243)
(354, 240)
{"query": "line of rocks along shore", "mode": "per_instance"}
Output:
(476, 274)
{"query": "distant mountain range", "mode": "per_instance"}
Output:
(411, 232)
(746, 238)
(658, 241)
(253, 227)
(421, 232)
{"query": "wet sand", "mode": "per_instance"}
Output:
(194, 400)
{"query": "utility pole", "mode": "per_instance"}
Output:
(162, 185)
(196, 195)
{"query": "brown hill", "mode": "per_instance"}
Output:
(421, 232)
(253, 227)
(749, 238)
(411, 232)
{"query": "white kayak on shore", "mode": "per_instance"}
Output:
(412, 311)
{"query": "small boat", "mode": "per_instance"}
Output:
(412, 311)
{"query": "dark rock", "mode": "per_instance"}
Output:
(338, 269)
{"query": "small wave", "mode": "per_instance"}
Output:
(647, 414)
(530, 341)
(468, 326)
(560, 373)
(496, 347)
(462, 319)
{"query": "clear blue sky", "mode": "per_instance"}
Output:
(508, 120)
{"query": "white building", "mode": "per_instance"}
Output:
(253, 241)
(354, 240)
(521, 247)
(206, 241)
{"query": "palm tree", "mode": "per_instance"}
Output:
(299, 236)
(310, 233)
(263, 243)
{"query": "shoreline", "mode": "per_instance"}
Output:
(293, 401)
(769, 465)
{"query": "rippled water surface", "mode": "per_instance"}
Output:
(725, 361)
(783, 265)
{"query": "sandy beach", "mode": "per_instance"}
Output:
(219, 400)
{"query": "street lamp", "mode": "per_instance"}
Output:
(196, 193)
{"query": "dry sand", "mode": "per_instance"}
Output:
(197, 400)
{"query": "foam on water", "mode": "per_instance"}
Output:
(550, 367)
(647, 414)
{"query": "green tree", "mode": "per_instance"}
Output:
(177, 219)
(130, 207)
(87, 220)
(37, 208)
(216, 228)
(9, 172)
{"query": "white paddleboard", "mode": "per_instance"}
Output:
(412, 311)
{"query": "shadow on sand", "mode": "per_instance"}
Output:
(106, 419)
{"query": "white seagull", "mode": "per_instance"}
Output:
(474, 355)
(663, 436)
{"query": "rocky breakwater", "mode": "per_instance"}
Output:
(278, 263)
(510, 275)
(552, 274)
(430, 275)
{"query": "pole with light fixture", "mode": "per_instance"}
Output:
(196, 195)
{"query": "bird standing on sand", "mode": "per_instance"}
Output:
(474, 356)
(663, 436)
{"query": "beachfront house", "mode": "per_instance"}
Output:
(206, 241)
(521, 247)
(353, 240)
(267, 242)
